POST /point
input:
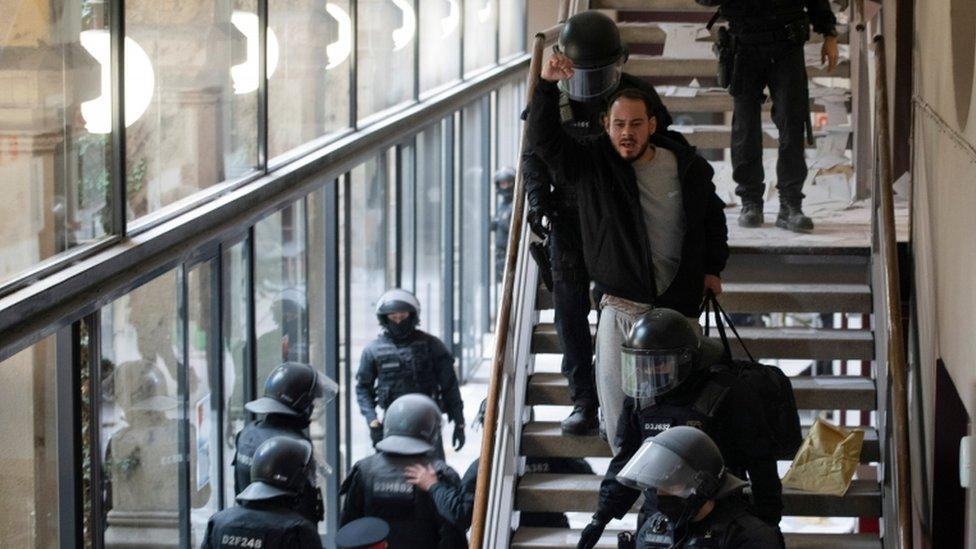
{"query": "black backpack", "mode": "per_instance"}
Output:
(771, 385)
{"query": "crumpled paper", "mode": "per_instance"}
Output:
(826, 461)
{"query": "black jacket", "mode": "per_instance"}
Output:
(754, 16)
(748, 452)
(264, 524)
(728, 526)
(615, 245)
(419, 363)
(377, 487)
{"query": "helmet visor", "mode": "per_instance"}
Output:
(590, 83)
(654, 466)
(647, 374)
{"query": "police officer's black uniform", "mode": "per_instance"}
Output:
(267, 517)
(768, 44)
(710, 398)
(298, 385)
(587, 36)
(728, 526)
(456, 502)
(377, 487)
(502, 221)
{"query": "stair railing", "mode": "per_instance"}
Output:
(884, 248)
(495, 488)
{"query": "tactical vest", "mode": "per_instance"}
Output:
(310, 503)
(411, 514)
(658, 533)
(656, 417)
(403, 370)
(246, 528)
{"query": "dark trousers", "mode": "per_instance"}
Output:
(571, 301)
(781, 67)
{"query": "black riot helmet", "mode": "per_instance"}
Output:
(592, 42)
(410, 426)
(398, 300)
(281, 466)
(505, 178)
(682, 462)
(294, 389)
(660, 352)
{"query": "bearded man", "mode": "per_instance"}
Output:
(653, 229)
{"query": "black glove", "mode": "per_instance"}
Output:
(458, 438)
(535, 217)
(376, 433)
(591, 534)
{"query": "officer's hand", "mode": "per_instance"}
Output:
(557, 67)
(375, 431)
(458, 438)
(421, 476)
(537, 222)
(714, 284)
(591, 534)
(828, 53)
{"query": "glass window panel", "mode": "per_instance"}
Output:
(190, 99)
(369, 253)
(430, 217)
(508, 124)
(480, 29)
(309, 67)
(385, 50)
(280, 302)
(473, 202)
(511, 28)
(407, 245)
(201, 305)
(235, 350)
(141, 416)
(55, 154)
(440, 43)
(29, 454)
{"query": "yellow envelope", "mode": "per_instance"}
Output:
(826, 461)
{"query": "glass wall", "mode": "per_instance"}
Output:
(191, 122)
(236, 315)
(55, 153)
(309, 63)
(480, 34)
(386, 54)
(431, 229)
(440, 43)
(511, 28)
(29, 453)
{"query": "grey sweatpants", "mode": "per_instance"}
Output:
(617, 316)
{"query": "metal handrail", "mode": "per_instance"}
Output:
(505, 320)
(885, 237)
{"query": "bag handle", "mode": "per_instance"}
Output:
(722, 318)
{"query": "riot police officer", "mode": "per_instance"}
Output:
(704, 507)
(456, 503)
(268, 515)
(500, 224)
(766, 45)
(291, 393)
(376, 485)
(592, 41)
(673, 377)
(404, 360)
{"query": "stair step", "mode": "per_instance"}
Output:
(650, 5)
(778, 298)
(562, 493)
(545, 439)
(656, 66)
(812, 393)
(708, 137)
(766, 343)
(712, 101)
(652, 33)
(565, 538)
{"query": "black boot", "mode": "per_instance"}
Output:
(791, 218)
(751, 215)
(581, 421)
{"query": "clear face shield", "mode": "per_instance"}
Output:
(589, 83)
(648, 374)
(325, 392)
(654, 466)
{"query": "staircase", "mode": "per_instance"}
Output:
(758, 280)
(803, 281)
